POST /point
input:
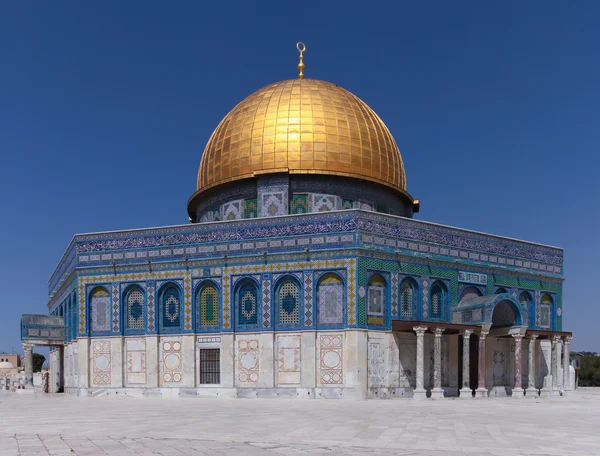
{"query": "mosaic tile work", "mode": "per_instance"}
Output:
(151, 318)
(323, 203)
(299, 204)
(135, 361)
(187, 301)
(129, 277)
(171, 365)
(208, 306)
(233, 210)
(273, 203)
(289, 363)
(331, 356)
(347, 204)
(308, 298)
(348, 264)
(288, 298)
(101, 362)
(134, 302)
(171, 307)
(115, 307)
(395, 295)
(266, 301)
(425, 295)
(247, 304)
(408, 298)
(376, 297)
(437, 301)
(330, 300)
(100, 309)
(250, 208)
(248, 361)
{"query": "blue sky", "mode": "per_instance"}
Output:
(105, 108)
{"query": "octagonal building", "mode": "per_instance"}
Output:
(303, 274)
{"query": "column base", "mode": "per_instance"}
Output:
(518, 393)
(466, 393)
(531, 393)
(545, 392)
(420, 394)
(481, 392)
(437, 393)
(555, 392)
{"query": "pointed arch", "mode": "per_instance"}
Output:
(526, 300)
(171, 307)
(99, 310)
(409, 291)
(330, 300)
(469, 292)
(438, 295)
(288, 294)
(247, 298)
(546, 307)
(376, 295)
(207, 305)
(134, 309)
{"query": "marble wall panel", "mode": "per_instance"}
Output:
(248, 360)
(135, 359)
(171, 361)
(331, 356)
(101, 362)
(289, 360)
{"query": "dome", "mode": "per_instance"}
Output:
(6, 365)
(301, 126)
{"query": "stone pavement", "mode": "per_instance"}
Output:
(65, 425)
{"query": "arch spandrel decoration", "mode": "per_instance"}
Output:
(480, 310)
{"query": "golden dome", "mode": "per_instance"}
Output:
(301, 126)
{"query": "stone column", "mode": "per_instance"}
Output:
(555, 363)
(437, 392)
(481, 390)
(517, 391)
(28, 349)
(465, 391)
(419, 392)
(531, 391)
(567, 364)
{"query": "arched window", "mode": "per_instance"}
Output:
(135, 309)
(207, 302)
(99, 310)
(288, 301)
(546, 311)
(408, 298)
(437, 300)
(376, 295)
(170, 301)
(247, 298)
(470, 292)
(330, 300)
(526, 301)
(501, 290)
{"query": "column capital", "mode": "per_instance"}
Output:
(556, 339)
(568, 339)
(518, 337)
(467, 333)
(533, 336)
(438, 332)
(420, 330)
(483, 334)
(27, 346)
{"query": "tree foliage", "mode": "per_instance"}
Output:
(589, 372)
(38, 362)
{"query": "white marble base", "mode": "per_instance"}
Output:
(518, 393)
(481, 392)
(466, 393)
(420, 394)
(437, 393)
(545, 393)
(531, 393)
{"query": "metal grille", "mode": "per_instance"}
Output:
(210, 366)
